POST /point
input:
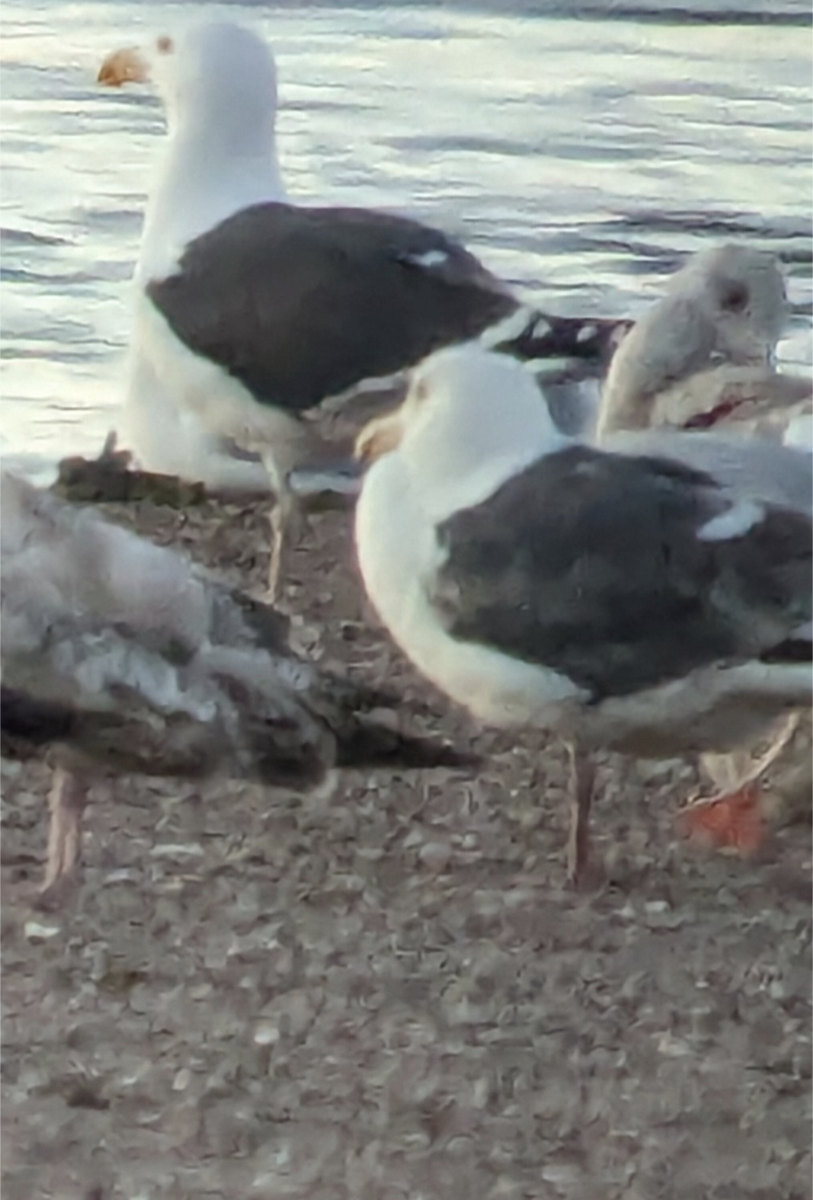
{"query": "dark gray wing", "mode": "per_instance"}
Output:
(591, 564)
(303, 303)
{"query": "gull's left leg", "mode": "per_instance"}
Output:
(732, 817)
(66, 802)
(580, 794)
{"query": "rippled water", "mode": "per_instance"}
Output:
(581, 157)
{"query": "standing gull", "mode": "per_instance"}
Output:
(252, 312)
(653, 603)
(126, 659)
(703, 357)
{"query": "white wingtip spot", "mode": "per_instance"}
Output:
(733, 523)
(507, 330)
(431, 258)
(586, 333)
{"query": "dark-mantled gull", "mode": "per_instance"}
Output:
(253, 313)
(654, 601)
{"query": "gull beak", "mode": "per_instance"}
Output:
(379, 437)
(124, 66)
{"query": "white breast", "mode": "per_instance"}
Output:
(398, 555)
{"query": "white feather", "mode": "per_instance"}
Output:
(733, 523)
(219, 90)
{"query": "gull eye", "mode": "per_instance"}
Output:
(734, 297)
(164, 45)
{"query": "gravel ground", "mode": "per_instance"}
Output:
(389, 992)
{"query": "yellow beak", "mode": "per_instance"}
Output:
(379, 437)
(124, 66)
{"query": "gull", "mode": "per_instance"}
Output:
(126, 659)
(703, 357)
(651, 597)
(255, 315)
(704, 354)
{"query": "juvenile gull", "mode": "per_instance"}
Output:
(653, 602)
(703, 357)
(127, 659)
(253, 312)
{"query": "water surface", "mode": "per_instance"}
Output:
(582, 156)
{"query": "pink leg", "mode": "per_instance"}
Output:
(288, 527)
(583, 774)
(275, 563)
(66, 802)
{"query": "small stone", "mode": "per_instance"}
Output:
(265, 1034)
(435, 855)
(177, 850)
(35, 931)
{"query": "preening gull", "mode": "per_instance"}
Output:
(702, 358)
(252, 311)
(122, 655)
(655, 602)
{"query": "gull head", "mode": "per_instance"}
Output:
(214, 71)
(742, 291)
(470, 419)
